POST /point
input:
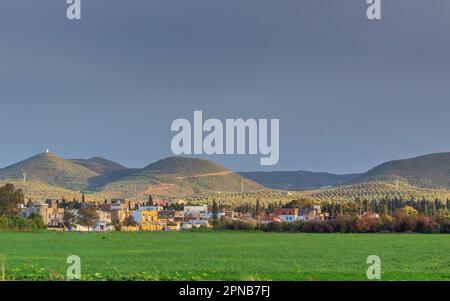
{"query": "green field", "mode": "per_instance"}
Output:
(225, 256)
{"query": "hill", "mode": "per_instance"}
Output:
(376, 190)
(298, 180)
(344, 193)
(178, 176)
(50, 169)
(429, 171)
(38, 191)
(108, 171)
(184, 166)
(99, 165)
(48, 174)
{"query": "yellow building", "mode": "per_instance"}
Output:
(147, 220)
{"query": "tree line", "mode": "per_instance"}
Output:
(360, 216)
(388, 206)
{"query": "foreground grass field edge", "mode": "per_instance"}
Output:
(224, 255)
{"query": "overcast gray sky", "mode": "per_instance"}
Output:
(349, 93)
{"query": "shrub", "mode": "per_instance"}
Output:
(405, 224)
(17, 223)
(444, 225)
(367, 224)
(235, 225)
(38, 221)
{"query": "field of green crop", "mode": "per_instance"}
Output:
(224, 256)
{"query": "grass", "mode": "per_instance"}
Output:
(225, 256)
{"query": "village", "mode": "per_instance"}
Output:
(158, 215)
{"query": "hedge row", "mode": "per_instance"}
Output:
(349, 224)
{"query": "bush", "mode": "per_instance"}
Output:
(17, 223)
(38, 221)
(367, 225)
(427, 225)
(343, 223)
(444, 225)
(235, 225)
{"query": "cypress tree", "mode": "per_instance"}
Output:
(258, 207)
(215, 211)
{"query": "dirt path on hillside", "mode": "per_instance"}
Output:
(216, 174)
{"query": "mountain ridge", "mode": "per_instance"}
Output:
(298, 180)
(49, 168)
(426, 171)
(181, 176)
(172, 175)
(99, 165)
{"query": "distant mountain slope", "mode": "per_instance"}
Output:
(297, 180)
(344, 193)
(99, 165)
(180, 176)
(376, 190)
(38, 191)
(50, 169)
(108, 171)
(429, 171)
(174, 176)
(49, 175)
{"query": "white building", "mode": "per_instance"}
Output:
(198, 223)
(151, 208)
(195, 211)
(99, 227)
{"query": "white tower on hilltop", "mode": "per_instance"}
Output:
(47, 151)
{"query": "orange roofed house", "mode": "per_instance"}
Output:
(287, 215)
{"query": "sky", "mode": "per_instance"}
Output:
(350, 93)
